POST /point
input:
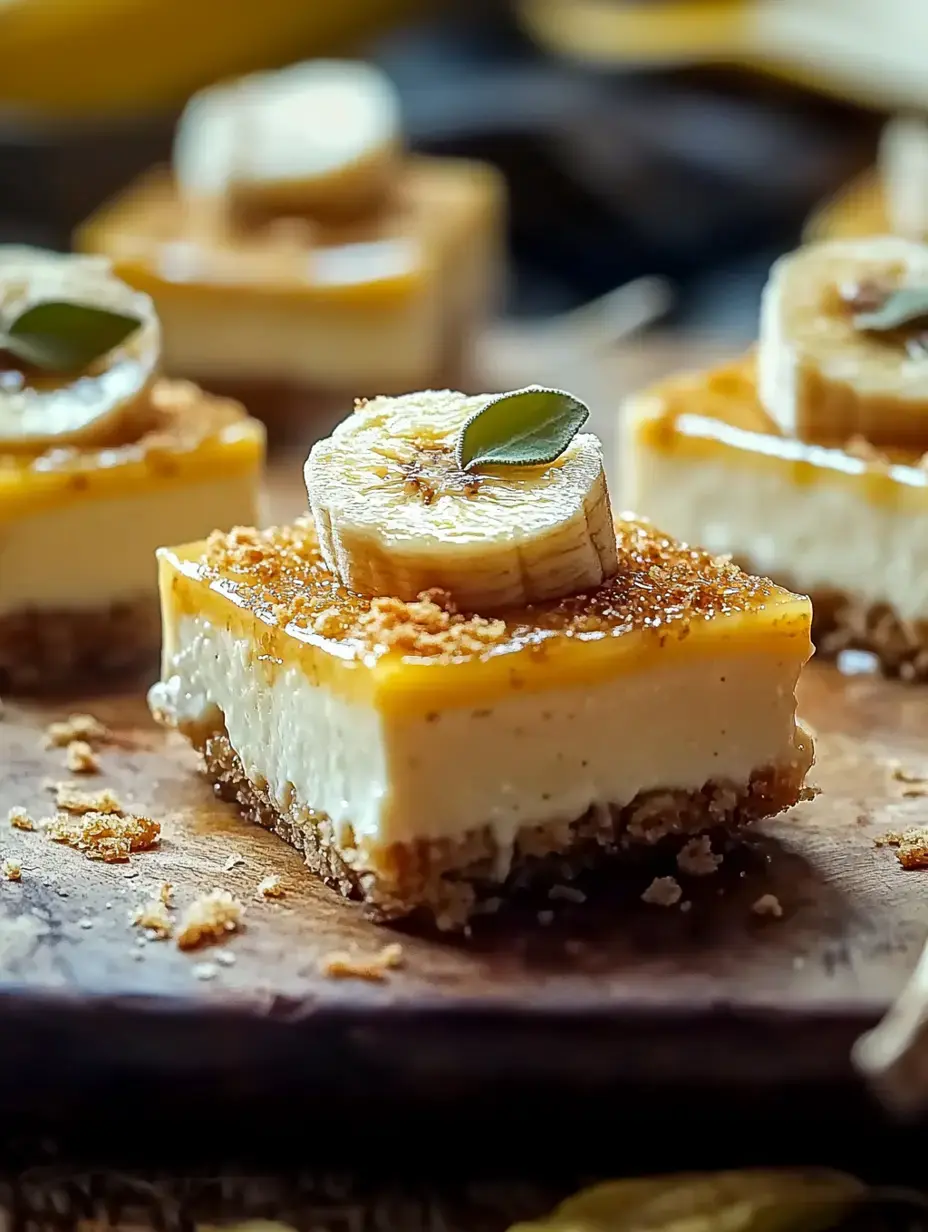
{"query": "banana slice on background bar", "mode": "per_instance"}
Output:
(843, 346)
(498, 501)
(79, 350)
(903, 165)
(319, 138)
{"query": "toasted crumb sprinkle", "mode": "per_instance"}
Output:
(80, 758)
(71, 799)
(342, 966)
(768, 904)
(911, 846)
(12, 870)
(110, 837)
(209, 919)
(430, 625)
(697, 858)
(663, 892)
(155, 918)
(270, 887)
(76, 727)
(19, 819)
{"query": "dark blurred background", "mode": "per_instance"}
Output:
(678, 158)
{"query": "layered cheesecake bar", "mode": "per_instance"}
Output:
(96, 468)
(847, 526)
(568, 685)
(351, 267)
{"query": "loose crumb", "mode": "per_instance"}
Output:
(663, 892)
(80, 758)
(12, 870)
(19, 819)
(911, 846)
(270, 887)
(155, 919)
(768, 904)
(205, 971)
(697, 859)
(76, 727)
(209, 919)
(85, 923)
(232, 861)
(566, 894)
(72, 799)
(344, 966)
(110, 837)
(166, 894)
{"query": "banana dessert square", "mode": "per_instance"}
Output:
(459, 664)
(294, 257)
(100, 461)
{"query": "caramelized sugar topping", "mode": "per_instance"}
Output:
(661, 585)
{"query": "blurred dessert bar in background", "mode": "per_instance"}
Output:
(101, 460)
(298, 256)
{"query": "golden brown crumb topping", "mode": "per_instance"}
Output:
(209, 919)
(168, 428)
(661, 585)
(343, 966)
(110, 837)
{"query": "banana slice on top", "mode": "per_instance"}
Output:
(79, 350)
(397, 514)
(319, 138)
(843, 347)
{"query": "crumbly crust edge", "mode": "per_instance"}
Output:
(841, 622)
(445, 879)
(58, 650)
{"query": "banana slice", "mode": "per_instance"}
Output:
(396, 515)
(903, 164)
(320, 138)
(39, 409)
(824, 378)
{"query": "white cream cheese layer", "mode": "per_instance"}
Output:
(96, 551)
(814, 536)
(529, 760)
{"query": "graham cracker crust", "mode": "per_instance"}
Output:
(446, 879)
(840, 622)
(57, 650)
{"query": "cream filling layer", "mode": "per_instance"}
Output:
(227, 335)
(93, 551)
(528, 760)
(814, 535)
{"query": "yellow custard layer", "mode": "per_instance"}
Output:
(168, 248)
(669, 604)
(716, 416)
(856, 212)
(191, 436)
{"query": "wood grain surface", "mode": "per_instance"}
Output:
(607, 990)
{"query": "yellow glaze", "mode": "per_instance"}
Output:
(715, 415)
(64, 478)
(856, 212)
(159, 245)
(542, 648)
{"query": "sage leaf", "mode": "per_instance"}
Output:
(62, 336)
(905, 306)
(528, 427)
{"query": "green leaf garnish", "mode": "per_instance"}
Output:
(60, 336)
(529, 427)
(905, 306)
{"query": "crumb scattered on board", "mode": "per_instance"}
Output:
(19, 819)
(73, 799)
(166, 894)
(269, 887)
(80, 758)
(155, 919)
(663, 892)
(343, 966)
(911, 846)
(697, 859)
(77, 727)
(768, 904)
(209, 919)
(12, 870)
(110, 837)
(915, 783)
